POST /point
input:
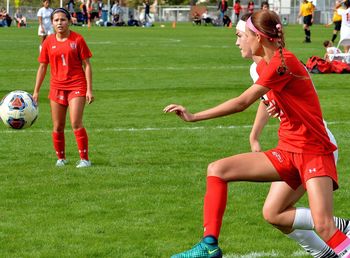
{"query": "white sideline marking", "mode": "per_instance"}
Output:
(227, 67)
(273, 253)
(220, 127)
(167, 68)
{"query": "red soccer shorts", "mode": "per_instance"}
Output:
(64, 96)
(296, 168)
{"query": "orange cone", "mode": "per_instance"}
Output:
(174, 24)
(230, 25)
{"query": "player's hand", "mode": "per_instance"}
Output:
(180, 111)
(89, 98)
(272, 109)
(36, 97)
(255, 145)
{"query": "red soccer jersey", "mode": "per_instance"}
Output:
(65, 59)
(301, 128)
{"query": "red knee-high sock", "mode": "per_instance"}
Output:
(59, 144)
(340, 243)
(214, 205)
(82, 141)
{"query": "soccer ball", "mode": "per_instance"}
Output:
(18, 110)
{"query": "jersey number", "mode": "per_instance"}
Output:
(63, 60)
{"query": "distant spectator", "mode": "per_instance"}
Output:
(222, 7)
(93, 11)
(237, 9)
(330, 49)
(70, 7)
(226, 21)
(84, 12)
(20, 19)
(5, 18)
(100, 7)
(206, 18)
(265, 5)
(116, 10)
(147, 7)
(133, 22)
(196, 19)
(250, 7)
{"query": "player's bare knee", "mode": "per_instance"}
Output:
(214, 169)
(269, 215)
(77, 125)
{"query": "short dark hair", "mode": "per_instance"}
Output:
(265, 3)
(326, 43)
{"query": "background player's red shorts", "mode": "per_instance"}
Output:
(296, 168)
(64, 96)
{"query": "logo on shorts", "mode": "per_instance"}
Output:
(278, 156)
(61, 97)
(53, 47)
(312, 170)
(77, 92)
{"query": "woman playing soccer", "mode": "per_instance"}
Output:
(277, 204)
(70, 84)
(304, 155)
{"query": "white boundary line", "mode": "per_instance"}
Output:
(299, 253)
(150, 129)
(166, 68)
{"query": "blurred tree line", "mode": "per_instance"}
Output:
(129, 3)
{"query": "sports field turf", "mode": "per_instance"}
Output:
(143, 196)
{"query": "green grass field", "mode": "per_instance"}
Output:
(143, 196)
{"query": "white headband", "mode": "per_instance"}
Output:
(241, 25)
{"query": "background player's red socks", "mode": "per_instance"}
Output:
(214, 205)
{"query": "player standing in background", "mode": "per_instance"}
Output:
(44, 18)
(307, 12)
(336, 20)
(304, 155)
(274, 208)
(345, 26)
(70, 84)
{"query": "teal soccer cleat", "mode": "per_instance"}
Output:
(207, 248)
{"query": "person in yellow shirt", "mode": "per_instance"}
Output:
(336, 20)
(307, 11)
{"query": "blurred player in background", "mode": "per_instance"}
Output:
(70, 84)
(44, 18)
(307, 12)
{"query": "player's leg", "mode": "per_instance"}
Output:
(254, 166)
(76, 111)
(320, 193)
(58, 114)
(278, 210)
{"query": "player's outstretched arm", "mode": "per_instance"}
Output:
(40, 75)
(231, 106)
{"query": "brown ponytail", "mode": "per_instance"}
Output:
(269, 23)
